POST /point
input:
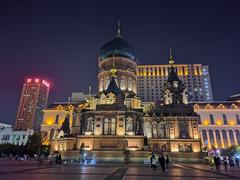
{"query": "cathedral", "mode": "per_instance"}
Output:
(116, 119)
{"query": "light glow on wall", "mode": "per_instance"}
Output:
(219, 122)
(206, 122)
(232, 122)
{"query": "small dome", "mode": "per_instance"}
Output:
(117, 47)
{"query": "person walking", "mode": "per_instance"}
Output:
(161, 160)
(231, 163)
(167, 162)
(57, 159)
(225, 163)
(216, 162)
(60, 159)
(151, 158)
(154, 163)
(237, 162)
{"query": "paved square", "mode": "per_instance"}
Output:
(15, 170)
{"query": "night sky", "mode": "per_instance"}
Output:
(59, 41)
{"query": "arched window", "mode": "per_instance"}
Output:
(113, 126)
(231, 137)
(123, 83)
(204, 138)
(105, 126)
(154, 128)
(238, 136)
(199, 120)
(218, 138)
(237, 119)
(162, 133)
(130, 84)
(134, 88)
(129, 125)
(225, 119)
(183, 129)
(147, 129)
(224, 134)
(211, 137)
(90, 124)
(56, 119)
(211, 119)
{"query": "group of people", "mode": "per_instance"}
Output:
(58, 159)
(225, 162)
(164, 162)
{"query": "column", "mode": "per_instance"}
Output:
(215, 139)
(201, 134)
(228, 139)
(208, 139)
(158, 73)
(221, 137)
(235, 138)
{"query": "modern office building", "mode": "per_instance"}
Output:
(9, 136)
(5, 133)
(151, 80)
(33, 100)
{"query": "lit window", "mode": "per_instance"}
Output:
(211, 119)
(225, 119)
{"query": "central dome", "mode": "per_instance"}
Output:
(118, 47)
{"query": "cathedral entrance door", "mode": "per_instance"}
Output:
(155, 147)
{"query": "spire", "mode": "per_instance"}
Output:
(171, 60)
(69, 100)
(89, 91)
(118, 30)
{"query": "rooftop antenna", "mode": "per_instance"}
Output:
(119, 30)
(69, 100)
(171, 60)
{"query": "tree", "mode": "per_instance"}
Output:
(230, 151)
(34, 145)
(66, 126)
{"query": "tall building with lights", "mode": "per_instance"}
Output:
(151, 80)
(33, 100)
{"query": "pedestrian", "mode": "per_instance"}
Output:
(225, 163)
(51, 158)
(237, 162)
(154, 163)
(167, 162)
(56, 160)
(231, 163)
(60, 159)
(216, 162)
(161, 160)
(151, 158)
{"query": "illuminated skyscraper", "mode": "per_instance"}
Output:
(196, 78)
(33, 100)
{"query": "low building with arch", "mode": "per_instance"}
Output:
(219, 124)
